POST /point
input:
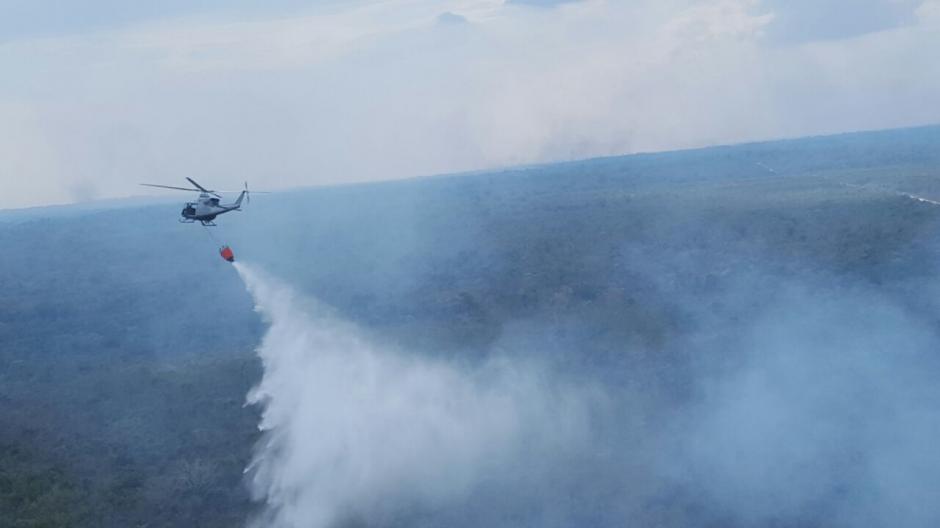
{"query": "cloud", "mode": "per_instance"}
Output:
(928, 12)
(43, 18)
(810, 20)
(540, 3)
(451, 18)
(380, 90)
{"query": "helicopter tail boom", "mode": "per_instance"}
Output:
(238, 202)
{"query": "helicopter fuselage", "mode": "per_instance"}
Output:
(206, 209)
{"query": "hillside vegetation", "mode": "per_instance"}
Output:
(126, 344)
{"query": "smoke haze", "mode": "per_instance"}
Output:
(354, 432)
(820, 410)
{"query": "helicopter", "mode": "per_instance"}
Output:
(207, 207)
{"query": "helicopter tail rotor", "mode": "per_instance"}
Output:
(248, 192)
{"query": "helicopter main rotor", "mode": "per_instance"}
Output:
(196, 187)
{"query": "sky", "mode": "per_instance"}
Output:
(100, 95)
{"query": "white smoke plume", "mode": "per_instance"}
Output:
(353, 432)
